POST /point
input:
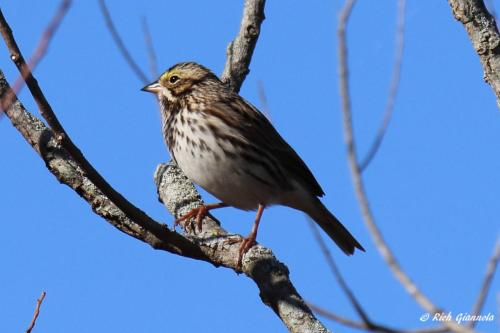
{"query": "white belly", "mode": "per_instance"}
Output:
(227, 177)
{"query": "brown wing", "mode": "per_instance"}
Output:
(258, 131)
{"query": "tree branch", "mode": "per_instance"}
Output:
(371, 327)
(153, 64)
(39, 53)
(491, 8)
(179, 196)
(264, 105)
(271, 276)
(65, 141)
(366, 323)
(355, 170)
(393, 90)
(488, 277)
(213, 244)
(37, 312)
(338, 276)
(483, 33)
(119, 42)
(240, 50)
(68, 171)
(357, 179)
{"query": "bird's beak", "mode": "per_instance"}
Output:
(154, 87)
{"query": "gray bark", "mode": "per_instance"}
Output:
(213, 244)
(483, 33)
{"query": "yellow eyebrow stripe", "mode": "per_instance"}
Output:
(165, 76)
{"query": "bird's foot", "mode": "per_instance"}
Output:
(246, 244)
(199, 213)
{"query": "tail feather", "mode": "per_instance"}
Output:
(333, 228)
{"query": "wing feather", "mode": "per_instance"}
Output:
(257, 130)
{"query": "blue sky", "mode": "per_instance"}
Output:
(433, 186)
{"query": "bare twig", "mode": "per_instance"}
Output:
(368, 218)
(371, 327)
(174, 188)
(60, 134)
(485, 287)
(366, 323)
(119, 42)
(39, 53)
(355, 171)
(69, 172)
(264, 106)
(393, 90)
(240, 50)
(338, 276)
(490, 5)
(483, 33)
(335, 317)
(37, 312)
(148, 40)
(212, 244)
(18, 59)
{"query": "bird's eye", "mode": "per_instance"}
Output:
(173, 79)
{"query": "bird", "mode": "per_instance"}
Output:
(228, 147)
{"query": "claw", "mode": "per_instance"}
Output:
(246, 244)
(199, 213)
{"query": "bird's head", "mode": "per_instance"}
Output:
(179, 80)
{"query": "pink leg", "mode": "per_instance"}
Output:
(249, 241)
(199, 213)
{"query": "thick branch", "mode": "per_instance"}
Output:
(240, 50)
(64, 139)
(483, 33)
(66, 169)
(271, 276)
(213, 244)
(179, 196)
